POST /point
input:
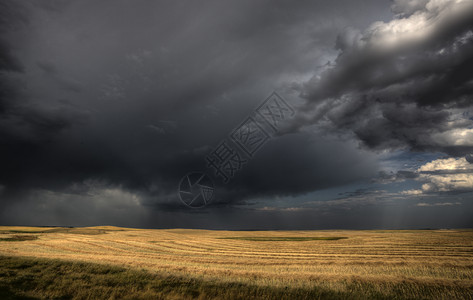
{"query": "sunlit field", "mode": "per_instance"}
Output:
(111, 262)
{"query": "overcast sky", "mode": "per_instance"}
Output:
(105, 106)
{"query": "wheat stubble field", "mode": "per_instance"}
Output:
(114, 263)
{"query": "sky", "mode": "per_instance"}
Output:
(345, 114)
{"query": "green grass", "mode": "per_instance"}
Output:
(20, 231)
(19, 238)
(282, 239)
(34, 278)
(86, 231)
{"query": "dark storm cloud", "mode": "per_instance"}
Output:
(313, 163)
(288, 166)
(105, 95)
(399, 176)
(406, 82)
(11, 16)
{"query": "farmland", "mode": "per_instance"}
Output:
(112, 262)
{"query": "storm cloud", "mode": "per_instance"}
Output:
(135, 94)
(106, 105)
(402, 83)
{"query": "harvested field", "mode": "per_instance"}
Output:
(427, 264)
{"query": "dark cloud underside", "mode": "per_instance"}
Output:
(110, 103)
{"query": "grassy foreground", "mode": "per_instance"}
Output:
(32, 278)
(121, 263)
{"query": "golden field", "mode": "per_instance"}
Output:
(335, 264)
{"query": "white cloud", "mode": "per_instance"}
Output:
(423, 204)
(412, 192)
(456, 164)
(417, 22)
(445, 175)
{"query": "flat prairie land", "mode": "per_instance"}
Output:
(114, 263)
